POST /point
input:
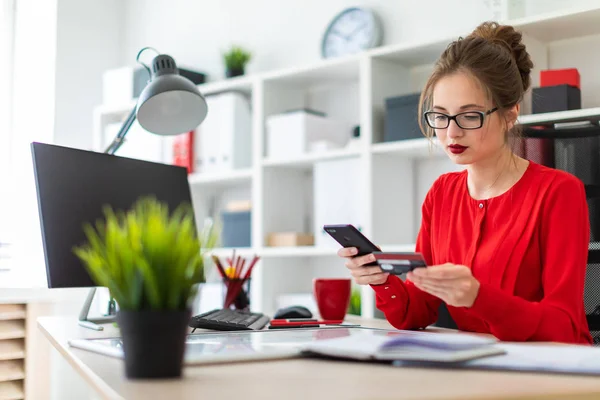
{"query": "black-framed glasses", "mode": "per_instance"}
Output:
(465, 120)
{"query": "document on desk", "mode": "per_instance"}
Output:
(544, 358)
(408, 346)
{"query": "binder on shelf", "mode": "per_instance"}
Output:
(183, 151)
(224, 140)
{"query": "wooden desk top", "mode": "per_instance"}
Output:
(308, 378)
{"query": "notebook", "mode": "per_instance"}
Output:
(408, 346)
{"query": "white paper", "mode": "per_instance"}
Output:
(534, 357)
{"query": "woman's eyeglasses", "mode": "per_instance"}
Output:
(465, 120)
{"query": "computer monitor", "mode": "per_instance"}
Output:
(73, 186)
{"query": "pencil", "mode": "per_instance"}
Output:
(252, 264)
(219, 266)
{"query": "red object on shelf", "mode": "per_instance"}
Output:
(183, 151)
(553, 77)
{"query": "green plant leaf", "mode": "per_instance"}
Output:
(147, 257)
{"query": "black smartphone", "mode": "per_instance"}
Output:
(348, 236)
(398, 263)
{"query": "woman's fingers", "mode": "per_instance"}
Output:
(347, 252)
(359, 261)
(433, 290)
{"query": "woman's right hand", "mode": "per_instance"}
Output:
(363, 275)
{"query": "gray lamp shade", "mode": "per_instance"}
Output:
(170, 104)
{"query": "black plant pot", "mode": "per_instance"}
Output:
(230, 73)
(153, 342)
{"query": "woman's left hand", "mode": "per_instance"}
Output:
(452, 283)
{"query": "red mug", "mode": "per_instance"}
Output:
(332, 296)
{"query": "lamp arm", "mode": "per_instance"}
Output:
(118, 140)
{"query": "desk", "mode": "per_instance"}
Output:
(307, 378)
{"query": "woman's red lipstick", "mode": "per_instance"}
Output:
(457, 148)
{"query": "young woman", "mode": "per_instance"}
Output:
(506, 239)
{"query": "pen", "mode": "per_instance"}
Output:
(311, 325)
(279, 322)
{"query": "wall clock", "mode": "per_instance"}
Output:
(351, 31)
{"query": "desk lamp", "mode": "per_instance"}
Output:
(170, 104)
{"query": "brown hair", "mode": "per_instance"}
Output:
(495, 55)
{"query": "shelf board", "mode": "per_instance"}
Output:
(221, 179)
(298, 251)
(584, 114)
(115, 112)
(12, 349)
(560, 25)
(321, 73)
(12, 390)
(314, 251)
(12, 311)
(11, 370)
(14, 329)
(414, 53)
(397, 247)
(309, 159)
(415, 148)
(242, 83)
(228, 252)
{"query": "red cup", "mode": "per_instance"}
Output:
(332, 296)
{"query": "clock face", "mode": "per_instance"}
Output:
(353, 30)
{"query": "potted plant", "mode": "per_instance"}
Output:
(151, 261)
(235, 61)
(354, 306)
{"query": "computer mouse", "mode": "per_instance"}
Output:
(293, 312)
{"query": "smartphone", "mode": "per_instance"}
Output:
(398, 263)
(348, 236)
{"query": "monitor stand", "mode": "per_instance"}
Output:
(93, 323)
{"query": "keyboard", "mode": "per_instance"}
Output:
(229, 320)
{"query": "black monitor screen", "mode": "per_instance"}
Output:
(74, 185)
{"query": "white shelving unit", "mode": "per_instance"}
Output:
(395, 176)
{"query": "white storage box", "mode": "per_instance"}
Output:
(223, 142)
(290, 134)
(337, 197)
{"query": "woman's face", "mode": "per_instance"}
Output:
(459, 93)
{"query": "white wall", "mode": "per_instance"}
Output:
(280, 33)
(286, 33)
(88, 38)
(33, 119)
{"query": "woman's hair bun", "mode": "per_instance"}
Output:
(512, 40)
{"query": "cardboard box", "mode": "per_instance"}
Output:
(553, 77)
(555, 98)
(291, 134)
(402, 118)
(282, 239)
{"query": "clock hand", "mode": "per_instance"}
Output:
(338, 34)
(356, 30)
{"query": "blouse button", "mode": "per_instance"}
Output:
(387, 287)
(394, 296)
(480, 205)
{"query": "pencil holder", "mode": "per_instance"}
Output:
(237, 294)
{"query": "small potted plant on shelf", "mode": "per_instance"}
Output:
(151, 261)
(235, 60)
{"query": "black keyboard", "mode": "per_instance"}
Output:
(229, 320)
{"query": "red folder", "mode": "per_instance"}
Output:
(183, 151)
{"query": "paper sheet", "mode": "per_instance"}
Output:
(554, 358)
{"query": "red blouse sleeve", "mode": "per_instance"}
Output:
(559, 316)
(404, 305)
